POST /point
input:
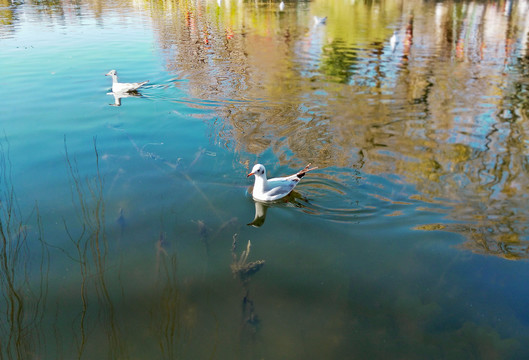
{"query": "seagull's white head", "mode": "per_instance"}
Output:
(111, 73)
(258, 170)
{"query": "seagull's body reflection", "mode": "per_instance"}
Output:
(261, 207)
(260, 214)
(119, 95)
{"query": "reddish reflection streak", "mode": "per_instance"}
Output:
(408, 39)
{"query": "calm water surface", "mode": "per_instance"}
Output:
(127, 228)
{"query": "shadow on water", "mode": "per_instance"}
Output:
(23, 253)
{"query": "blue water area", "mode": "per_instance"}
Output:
(127, 225)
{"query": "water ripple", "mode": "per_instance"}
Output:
(345, 195)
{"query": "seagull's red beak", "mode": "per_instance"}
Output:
(250, 174)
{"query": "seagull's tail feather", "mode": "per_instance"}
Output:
(305, 170)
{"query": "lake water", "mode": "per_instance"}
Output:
(127, 226)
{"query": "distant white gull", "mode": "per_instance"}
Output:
(118, 87)
(320, 20)
(393, 41)
(274, 189)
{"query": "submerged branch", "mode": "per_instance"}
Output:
(23, 303)
(240, 267)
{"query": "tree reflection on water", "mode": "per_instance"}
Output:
(445, 111)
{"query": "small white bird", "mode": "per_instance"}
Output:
(276, 188)
(393, 41)
(118, 87)
(281, 6)
(320, 20)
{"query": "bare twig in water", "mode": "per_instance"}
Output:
(240, 267)
(92, 248)
(174, 166)
(172, 319)
(22, 304)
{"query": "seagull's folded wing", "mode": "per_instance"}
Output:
(276, 191)
(281, 188)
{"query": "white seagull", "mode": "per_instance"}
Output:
(320, 20)
(276, 188)
(118, 87)
(393, 41)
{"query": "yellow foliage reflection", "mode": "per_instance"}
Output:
(444, 109)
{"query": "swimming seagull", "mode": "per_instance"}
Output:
(276, 188)
(320, 20)
(118, 87)
(393, 41)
